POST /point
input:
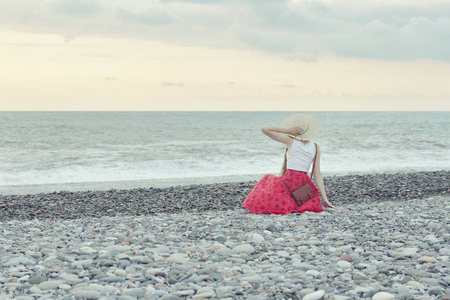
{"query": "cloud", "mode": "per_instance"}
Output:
(295, 29)
(80, 8)
(153, 16)
(306, 57)
(174, 84)
(286, 86)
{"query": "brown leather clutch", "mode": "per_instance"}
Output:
(301, 194)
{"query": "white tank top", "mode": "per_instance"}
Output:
(300, 156)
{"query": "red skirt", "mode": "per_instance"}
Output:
(271, 196)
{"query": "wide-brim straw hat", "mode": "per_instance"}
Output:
(308, 123)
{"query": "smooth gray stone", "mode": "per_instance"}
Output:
(243, 248)
(24, 297)
(21, 260)
(216, 276)
(36, 279)
(220, 239)
(70, 278)
(436, 291)
(50, 285)
(418, 273)
(185, 277)
(125, 297)
(271, 227)
(257, 297)
(53, 262)
(253, 279)
(424, 246)
(370, 294)
(215, 259)
(170, 297)
(112, 279)
(300, 294)
(106, 262)
(66, 258)
(360, 276)
(349, 241)
(137, 292)
(124, 263)
(25, 286)
(172, 280)
(108, 290)
(305, 266)
(360, 267)
(430, 281)
(403, 289)
(87, 294)
(438, 246)
(356, 260)
(407, 296)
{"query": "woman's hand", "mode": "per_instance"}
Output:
(327, 204)
(294, 131)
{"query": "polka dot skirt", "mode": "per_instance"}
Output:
(270, 196)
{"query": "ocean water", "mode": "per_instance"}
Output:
(53, 151)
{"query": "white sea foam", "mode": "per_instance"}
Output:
(189, 168)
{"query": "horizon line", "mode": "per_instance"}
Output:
(67, 111)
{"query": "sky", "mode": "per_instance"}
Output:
(195, 55)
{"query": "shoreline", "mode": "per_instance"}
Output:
(101, 186)
(341, 190)
(120, 185)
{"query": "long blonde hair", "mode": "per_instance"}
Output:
(283, 167)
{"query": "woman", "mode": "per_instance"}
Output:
(271, 194)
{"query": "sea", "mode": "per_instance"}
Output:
(75, 151)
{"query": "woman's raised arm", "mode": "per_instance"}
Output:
(281, 134)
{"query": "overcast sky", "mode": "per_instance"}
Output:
(224, 55)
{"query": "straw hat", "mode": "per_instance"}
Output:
(309, 124)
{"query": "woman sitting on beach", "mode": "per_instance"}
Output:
(273, 194)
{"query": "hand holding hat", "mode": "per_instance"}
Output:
(307, 126)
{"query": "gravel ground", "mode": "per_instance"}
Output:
(376, 245)
(222, 196)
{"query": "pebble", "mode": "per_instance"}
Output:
(37, 279)
(314, 296)
(383, 296)
(314, 273)
(86, 294)
(178, 258)
(35, 290)
(346, 257)
(233, 254)
(426, 259)
(244, 248)
(344, 264)
(70, 278)
(50, 285)
(205, 295)
(415, 284)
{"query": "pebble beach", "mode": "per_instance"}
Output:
(388, 238)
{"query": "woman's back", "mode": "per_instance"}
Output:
(300, 156)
